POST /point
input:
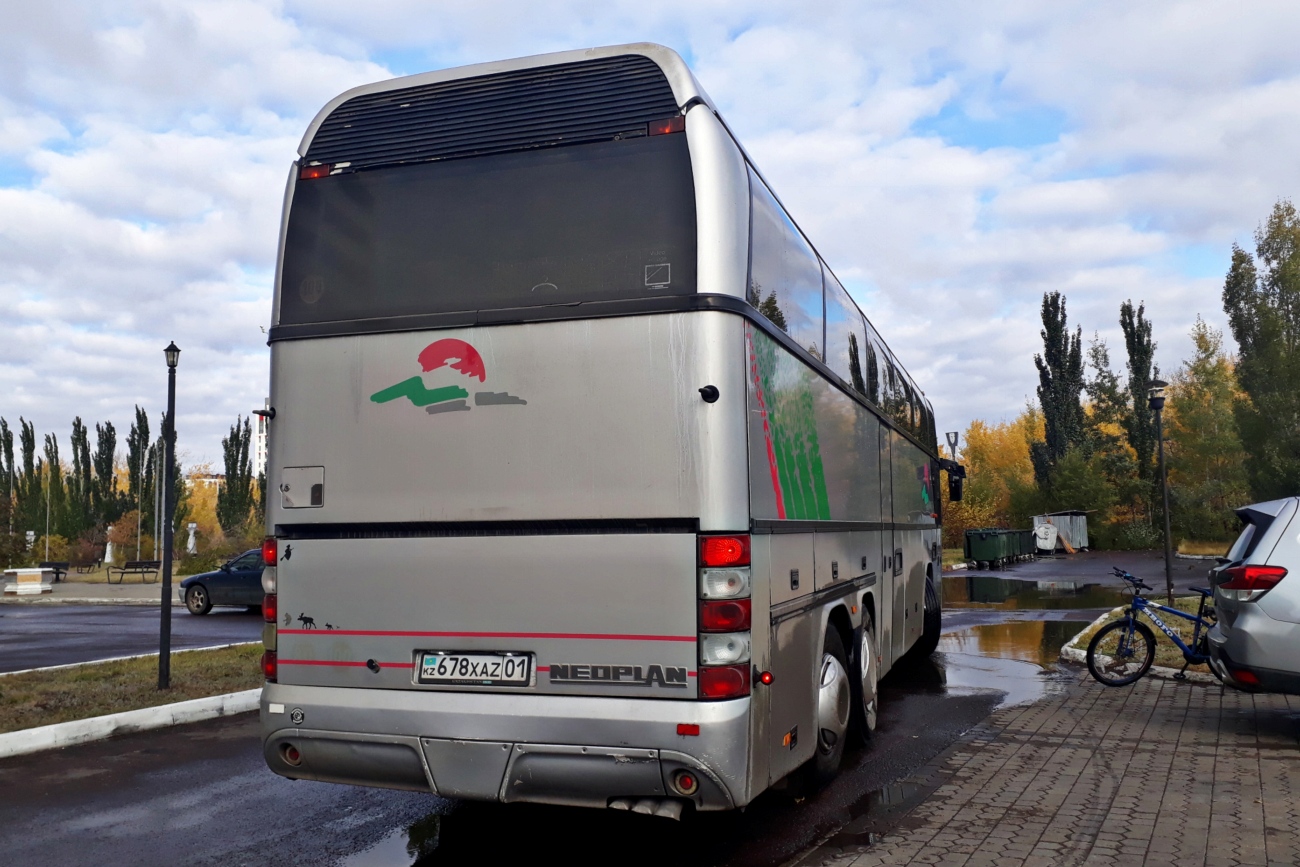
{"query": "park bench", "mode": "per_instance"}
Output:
(84, 566)
(143, 568)
(58, 567)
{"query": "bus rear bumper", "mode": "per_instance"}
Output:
(578, 751)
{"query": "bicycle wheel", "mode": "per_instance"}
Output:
(1121, 652)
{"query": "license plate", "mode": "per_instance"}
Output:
(484, 669)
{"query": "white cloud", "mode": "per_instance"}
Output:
(147, 144)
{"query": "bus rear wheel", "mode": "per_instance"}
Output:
(864, 683)
(933, 622)
(834, 703)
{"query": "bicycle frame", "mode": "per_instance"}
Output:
(1144, 606)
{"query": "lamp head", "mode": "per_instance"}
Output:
(173, 354)
(1156, 394)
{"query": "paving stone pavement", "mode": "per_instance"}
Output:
(1159, 773)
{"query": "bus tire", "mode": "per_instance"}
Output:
(833, 711)
(933, 624)
(864, 684)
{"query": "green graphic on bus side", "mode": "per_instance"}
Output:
(787, 387)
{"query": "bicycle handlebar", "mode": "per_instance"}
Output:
(1137, 583)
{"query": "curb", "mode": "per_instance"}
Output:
(75, 600)
(1071, 653)
(1194, 556)
(121, 658)
(97, 728)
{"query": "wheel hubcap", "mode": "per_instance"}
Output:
(832, 703)
(868, 656)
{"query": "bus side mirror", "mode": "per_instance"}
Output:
(955, 484)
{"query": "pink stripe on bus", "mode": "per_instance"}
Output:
(338, 662)
(555, 635)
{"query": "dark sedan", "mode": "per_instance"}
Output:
(237, 582)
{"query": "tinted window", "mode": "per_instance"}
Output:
(785, 278)
(561, 225)
(248, 562)
(871, 364)
(845, 346)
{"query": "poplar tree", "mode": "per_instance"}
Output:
(81, 513)
(235, 498)
(104, 498)
(1140, 423)
(1060, 380)
(1261, 296)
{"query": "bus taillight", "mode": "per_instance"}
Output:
(724, 615)
(320, 170)
(676, 123)
(270, 550)
(270, 668)
(270, 607)
(730, 681)
(730, 550)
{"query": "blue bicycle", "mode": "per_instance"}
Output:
(1122, 651)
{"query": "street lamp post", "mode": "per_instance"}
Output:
(173, 356)
(1156, 399)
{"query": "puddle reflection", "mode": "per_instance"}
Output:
(1010, 594)
(1036, 641)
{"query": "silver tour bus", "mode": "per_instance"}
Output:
(591, 483)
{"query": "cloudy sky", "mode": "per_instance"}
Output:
(952, 161)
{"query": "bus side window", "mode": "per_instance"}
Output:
(844, 346)
(873, 363)
(785, 276)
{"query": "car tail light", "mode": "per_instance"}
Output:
(730, 681)
(270, 669)
(724, 615)
(730, 550)
(270, 607)
(1252, 582)
(1241, 675)
(270, 550)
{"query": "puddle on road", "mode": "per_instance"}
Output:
(401, 846)
(1036, 641)
(1011, 594)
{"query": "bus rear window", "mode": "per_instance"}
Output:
(593, 222)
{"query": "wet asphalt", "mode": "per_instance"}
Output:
(33, 636)
(201, 794)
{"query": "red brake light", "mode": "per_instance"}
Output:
(270, 606)
(270, 550)
(270, 668)
(307, 173)
(724, 681)
(724, 615)
(676, 123)
(724, 550)
(1253, 578)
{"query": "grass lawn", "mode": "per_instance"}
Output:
(1203, 549)
(45, 697)
(953, 556)
(1167, 653)
(100, 576)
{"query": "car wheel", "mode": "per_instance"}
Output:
(197, 600)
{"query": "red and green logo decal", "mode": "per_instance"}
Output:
(455, 355)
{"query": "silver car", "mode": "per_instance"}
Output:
(1256, 644)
